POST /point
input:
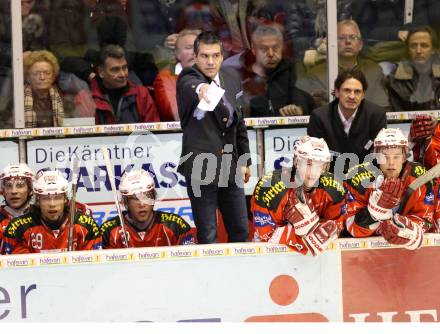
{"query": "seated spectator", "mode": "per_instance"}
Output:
(350, 45)
(43, 104)
(350, 123)
(112, 30)
(165, 82)
(377, 207)
(268, 79)
(300, 207)
(143, 226)
(117, 99)
(415, 83)
(46, 226)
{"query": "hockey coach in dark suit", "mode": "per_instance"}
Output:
(215, 155)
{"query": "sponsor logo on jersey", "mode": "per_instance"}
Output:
(327, 181)
(429, 198)
(262, 219)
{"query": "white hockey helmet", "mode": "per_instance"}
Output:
(312, 148)
(19, 170)
(50, 183)
(391, 137)
(138, 182)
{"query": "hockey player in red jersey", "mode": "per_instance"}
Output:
(16, 187)
(300, 207)
(375, 195)
(144, 226)
(46, 227)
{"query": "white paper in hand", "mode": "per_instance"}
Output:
(215, 93)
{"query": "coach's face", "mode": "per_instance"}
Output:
(209, 59)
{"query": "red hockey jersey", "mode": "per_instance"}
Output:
(419, 208)
(167, 229)
(270, 197)
(28, 234)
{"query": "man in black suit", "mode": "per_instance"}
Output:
(349, 124)
(215, 147)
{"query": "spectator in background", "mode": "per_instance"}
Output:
(350, 123)
(43, 104)
(306, 24)
(165, 82)
(112, 29)
(350, 45)
(415, 83)
(117, 99)
(269, 80)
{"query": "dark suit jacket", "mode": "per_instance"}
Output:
(369, 120)
(210, 134)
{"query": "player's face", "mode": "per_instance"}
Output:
(308, 172)
(114, 73)
(52, 206)
(185, 50)
(420, 47)
(391, 161)
(16, 192)
(350, 95)
(140, 207)
(268, 51)
(209, 59)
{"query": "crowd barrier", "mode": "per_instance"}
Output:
(356, 280)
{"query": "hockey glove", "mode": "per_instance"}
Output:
(318, 239)
(299, 215)
(402, 231)
(383, 200)
(422, 127)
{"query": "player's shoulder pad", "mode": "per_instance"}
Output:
(416, 169)
(174, 222)
(19, 225)
(361, 175)
(89, 223)
(271, 188)
(110, 224)
(333, 187)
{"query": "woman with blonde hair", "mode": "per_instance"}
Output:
(43, 104)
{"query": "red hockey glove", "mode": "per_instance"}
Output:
(422, 127)
(402, 231)
(299, 215)
(383, 200)
(318, 239)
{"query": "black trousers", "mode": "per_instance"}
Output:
(232, 204)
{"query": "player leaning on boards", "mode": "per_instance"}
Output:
(46, 226)
(376, 204)
(144, 226)
(16, 187)
(300, 207)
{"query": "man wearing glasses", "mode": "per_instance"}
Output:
(348, 124)
(350, 45)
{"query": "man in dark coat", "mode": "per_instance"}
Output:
(215, 147)
(349, 124)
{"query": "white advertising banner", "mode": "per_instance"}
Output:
(279, 144)
(156, 153)
(219, 283)
(9, 153)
